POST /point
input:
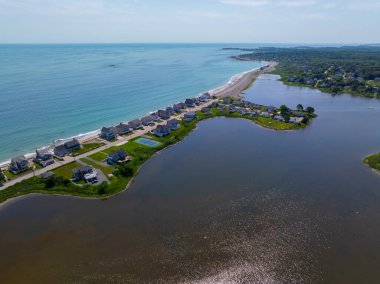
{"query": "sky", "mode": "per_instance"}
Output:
(195, 21)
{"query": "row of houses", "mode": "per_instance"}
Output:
(110, 133)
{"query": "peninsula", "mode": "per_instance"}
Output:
(104, 165)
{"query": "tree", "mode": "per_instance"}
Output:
(284, 110)
(125, 171)
(310, 109)
(102, 188)
(300, 107)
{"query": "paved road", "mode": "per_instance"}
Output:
(120, 141)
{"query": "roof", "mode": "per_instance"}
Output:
(84, 169)
(72, 143)
(135, 122)
(60, 147)
(19, 159)
(117, 155)
(122, 127)
(173, 121)
(162, 128)
(42, 152)
(148, 118)
(190, 113)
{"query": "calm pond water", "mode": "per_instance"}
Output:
(232, 203)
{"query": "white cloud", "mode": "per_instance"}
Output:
(247, 3)
(261, 3)
(298, 3)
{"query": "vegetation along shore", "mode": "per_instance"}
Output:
(106, 166)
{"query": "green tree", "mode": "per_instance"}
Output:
(284, 110)
(310, 109)
(300, 107)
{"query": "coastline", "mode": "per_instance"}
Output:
(232, 88)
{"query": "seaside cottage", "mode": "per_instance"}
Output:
(173, 124)
(170, 111)
(241, 111)
(72, 145)
(162, 130)
(44, 158)
(190, 116)
(205, 97)
(214, 105)
(238, 103)
(80, 173)
(122, 129)
(232, 108)
(135, 124)
(278, 118)
(117, 157)
(108, 133)
(18, 165)
(148, 120)
(178, 107)
(252, 113)
(271, 109)
(163, 114)
(60, 151)
(190, 103)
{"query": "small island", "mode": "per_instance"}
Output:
(105, 168)
(373, 161)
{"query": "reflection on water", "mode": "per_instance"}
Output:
(232, 203)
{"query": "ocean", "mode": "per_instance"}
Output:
(50, 92)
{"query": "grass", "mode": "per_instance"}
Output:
(99, 156)
(276, 125)
(66, 171)
(373, 161)
(106, 170)
(86, 148)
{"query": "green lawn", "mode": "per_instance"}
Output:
(87, 148)
(100, 156)
(373, 161)
(106, 170)
(66, 171)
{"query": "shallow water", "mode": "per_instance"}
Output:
(231, 203)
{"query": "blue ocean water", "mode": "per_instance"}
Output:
(50, 92)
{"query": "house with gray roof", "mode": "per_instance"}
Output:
(80, 173)
(163, 114)
(161, 130)
(190, 102)
(18, 165)
(206, 110)
(205, 97)
(60, 151)
(72, 145)
(44, 158)
(189, 116)
(146, 120)
(173, 124)
(118, 157)
(108, 133)
(135, 124)
(122, 129)
(178, 107)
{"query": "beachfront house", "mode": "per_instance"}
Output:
(72, 145)
(179, 107)
(232, 108)
(169, 110)
(252, 113)
(18, 165)
(206, 110)
(163, 114)
(271, 109)
(146, 120)
(118, 157)
(122, 129)
(190, 103)
(85, 173)
(44, 158)
(265, 114)
(237, 103)
(161, 130)
(205, 97)
(60, 151)
(241, 111)
(173, 124)
(135, 124)
(214, 105)
(189, 116)
(108, 133)
(279, 118)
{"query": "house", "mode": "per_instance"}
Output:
(163, 114)
(72, 145)
(178, 107)
(60, 151)
(108, 133)
(173, 124)
(189, 116)
(265, 114)
(135, 124)
(205, 97)
(252, 113)
(86, 173)
(44, 158)
(226, 101)
(214, 105)
(241, 111)
(206, 110)
(161, 130)
(169, 110)
(232, 108)
(271, 109)
(190, 103)
(146, 120)
(237, 103)
(278, 118)
(122, 129)
(18, 165)
(118, 157)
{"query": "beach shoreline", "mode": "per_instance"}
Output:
(232, 89)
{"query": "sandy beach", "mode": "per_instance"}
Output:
(240, 82)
